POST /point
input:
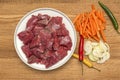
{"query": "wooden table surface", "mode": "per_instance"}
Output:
(12, 68)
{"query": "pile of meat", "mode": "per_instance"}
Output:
(46, 40)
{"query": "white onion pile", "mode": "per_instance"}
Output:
(98, 52)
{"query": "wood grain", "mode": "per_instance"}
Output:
(12, 68)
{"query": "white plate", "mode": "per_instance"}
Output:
(22, 25)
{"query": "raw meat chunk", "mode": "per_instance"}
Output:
(32, 21)
(26, 50)
(35, 41)
(46, 40)
(33, 59)
(25, 36)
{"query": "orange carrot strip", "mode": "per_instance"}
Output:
(94, 28)
(94, 17)
(97, 35)
(104, 26)
(88, 30)
(102, 35)
(83, 17)
(85, 25)
(102, 16)
(99, 22)
(91, 39)
(84, 35)
(91, 26)
(78, 23)
(87, 34)
(79, 19)
(93, 7)
(96, 38)
(80, 29)
(99, 16)
(76, 18)
(76, 27)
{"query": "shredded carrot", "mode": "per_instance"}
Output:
(94, 27)
(76, 18)
(94, 18)
(102, 35)
(79, 19)
(88, 30)
(104, 26)
(96, 38)
(93, 7)
(99, 14)
(76, 27)
(80, 29)
(89, 37)
(91, 24)
(85, 24)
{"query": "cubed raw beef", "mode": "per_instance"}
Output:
(38, 51)
(50, 61)
(43, 22)
(69, 46)
(57, 20)
(64, 31)
(35, 41)
(26, 50)
(49, 53)
(49, 44)
(32, 21)
(41, 48)
(46, 40)
(55, 27)
(37, 30)
(43, 57)
(45, 36)
(35, 52)
(45, 16)
(54, 34)
(56, 44)
(59, 32)
(65, 40)
(44, 61)
(30, 28)
(26, 36)
(61, 53)
(33, 59)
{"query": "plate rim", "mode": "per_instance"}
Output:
(29, 13)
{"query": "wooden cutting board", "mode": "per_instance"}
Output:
(12, 68)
